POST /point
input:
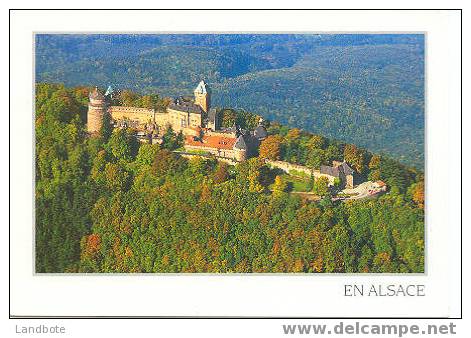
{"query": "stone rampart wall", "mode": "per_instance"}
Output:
(290, 167)
(190, 156)
(237, 155)
(142, 115)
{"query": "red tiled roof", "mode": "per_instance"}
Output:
(217, 142)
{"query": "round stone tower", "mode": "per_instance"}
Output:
(97, 108)
(240, 149)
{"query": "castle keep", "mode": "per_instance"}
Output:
(97, 108)
(195, 119)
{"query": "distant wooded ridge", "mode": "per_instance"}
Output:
(367, 89)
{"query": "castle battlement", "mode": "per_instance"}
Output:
(131, 110)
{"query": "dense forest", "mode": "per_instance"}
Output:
(112, 204)
(367, 89)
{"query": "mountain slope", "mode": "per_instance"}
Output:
(361, 94)
(362, 88)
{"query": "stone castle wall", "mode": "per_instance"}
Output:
(180, 120)
(190, 156)
(289, 168)
(237, 154)
(220, 133)
(162, 120)
(141, 115)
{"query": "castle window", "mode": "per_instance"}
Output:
(182, 123)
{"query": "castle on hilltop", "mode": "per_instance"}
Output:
(195, 119)
(202, 130)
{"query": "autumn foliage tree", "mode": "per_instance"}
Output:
(279, 186)
(221, 174)
(167, 162)
(354, 156)
(270, 148)
(316, 142)
(374, 167)
(321, 186)
(418, 194)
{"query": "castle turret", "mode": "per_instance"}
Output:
(240, 149)
(97, 108)
(203, 96)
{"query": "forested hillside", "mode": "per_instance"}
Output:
(110, 204)
(365, 89)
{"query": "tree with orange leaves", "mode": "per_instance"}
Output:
(92, 245)
(418, 195)
(354, 156)
(270, 148)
